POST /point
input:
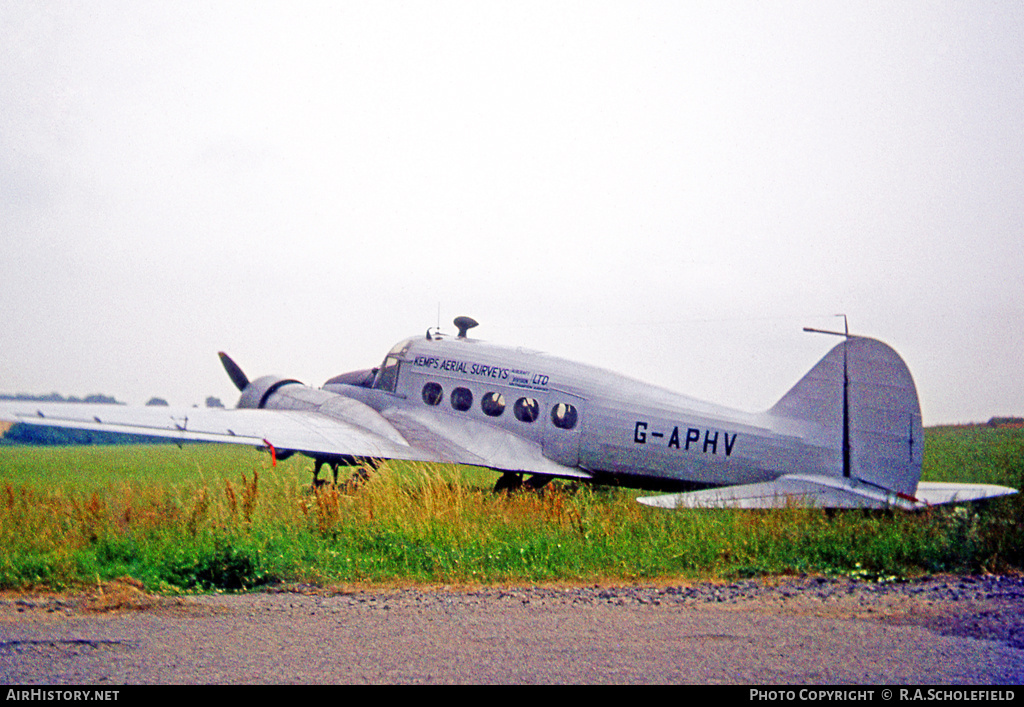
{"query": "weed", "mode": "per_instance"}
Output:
(205, 518)
(221, 566)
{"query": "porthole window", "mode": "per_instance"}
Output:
(462, 399)
(432, 394)
(493, 404)
(526, 409)
(564, 416)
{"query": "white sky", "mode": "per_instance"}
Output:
(667, 189)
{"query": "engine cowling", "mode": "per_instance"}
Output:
(276, 393)
(259, 392)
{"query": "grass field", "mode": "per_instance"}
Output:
(222, 518)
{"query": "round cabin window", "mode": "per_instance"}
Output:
(493, 404)
(462, 399)
(432, 394)
(526, 409)
(564, 416)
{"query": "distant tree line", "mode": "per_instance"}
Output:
(60, 436)
(1006, 422)
(58, 398)
(211, 402)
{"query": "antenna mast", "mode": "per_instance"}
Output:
(845, 333)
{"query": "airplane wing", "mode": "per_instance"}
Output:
(352, 428)
(823, 492)
(476, 443)
(298, 430)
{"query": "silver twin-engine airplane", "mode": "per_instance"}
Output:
(847, 435)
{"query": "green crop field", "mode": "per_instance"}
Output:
(203, 518)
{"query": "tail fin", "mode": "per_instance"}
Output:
(864, 398)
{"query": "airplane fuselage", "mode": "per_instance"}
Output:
(585, 418)
(848, 434)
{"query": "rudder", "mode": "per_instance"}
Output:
(877, 419)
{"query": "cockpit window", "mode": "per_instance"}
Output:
(387, 376)
(400, 348)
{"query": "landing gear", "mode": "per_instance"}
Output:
(510, 481)
(317, 481)
(360, 475)
(537, 482)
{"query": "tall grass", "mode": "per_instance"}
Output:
(207, 517)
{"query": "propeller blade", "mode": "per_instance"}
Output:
(234, 372)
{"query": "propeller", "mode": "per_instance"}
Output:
(234, 372)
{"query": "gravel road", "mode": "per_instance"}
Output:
(947, 630)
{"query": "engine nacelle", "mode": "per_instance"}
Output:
(276, 393)
(258, 393)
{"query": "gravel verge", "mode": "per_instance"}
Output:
(812, 630)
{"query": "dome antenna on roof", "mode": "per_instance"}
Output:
(464, 324)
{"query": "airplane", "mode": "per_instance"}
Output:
(846, 435)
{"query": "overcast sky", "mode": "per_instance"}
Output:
(667, 189)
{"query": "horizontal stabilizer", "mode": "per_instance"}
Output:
(803, 490)
(935, 493)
